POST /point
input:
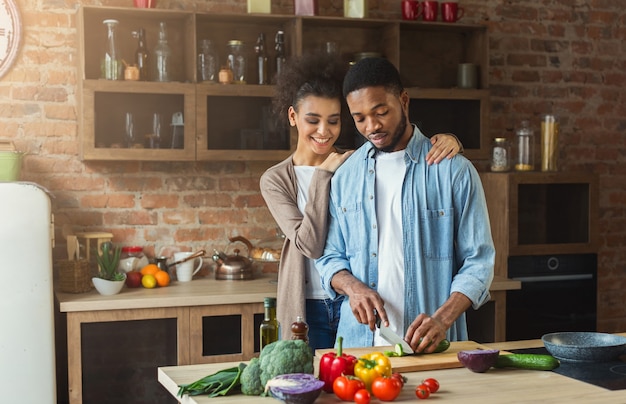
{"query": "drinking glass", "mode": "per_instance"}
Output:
(155, 140)
(130, 129)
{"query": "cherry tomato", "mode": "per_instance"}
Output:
(386, 388)
(345, 387)
(432, 384)
(400, 378)
(422, 391)
(362, 397)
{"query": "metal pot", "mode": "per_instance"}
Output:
(234, 267)
(584, 346)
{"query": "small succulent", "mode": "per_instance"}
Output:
(108, 261)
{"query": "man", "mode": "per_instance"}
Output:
(408, 242)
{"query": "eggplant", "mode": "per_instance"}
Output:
(295, 388)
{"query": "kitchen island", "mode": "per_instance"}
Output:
(191, 311)
(458, 385)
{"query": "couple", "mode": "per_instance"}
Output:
(378, 230)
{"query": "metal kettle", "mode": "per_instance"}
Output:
(234, 267)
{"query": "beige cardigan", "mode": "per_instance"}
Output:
(305, 235)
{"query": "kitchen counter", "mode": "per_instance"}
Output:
(457, 385)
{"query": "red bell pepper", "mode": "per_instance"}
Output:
(333, 365)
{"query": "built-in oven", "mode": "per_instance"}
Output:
(558, 293)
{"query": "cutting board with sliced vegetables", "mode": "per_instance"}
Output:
(416, 362)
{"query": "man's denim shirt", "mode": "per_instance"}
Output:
(446, 235)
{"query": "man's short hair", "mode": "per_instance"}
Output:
(373, 72)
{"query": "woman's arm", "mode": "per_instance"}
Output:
(445, 145)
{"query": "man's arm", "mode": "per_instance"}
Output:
(364, 301)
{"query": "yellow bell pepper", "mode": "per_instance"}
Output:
(370, 366)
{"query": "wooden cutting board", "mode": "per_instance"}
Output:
(416, 362)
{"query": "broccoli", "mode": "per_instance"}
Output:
(278, 358)
(251, 378)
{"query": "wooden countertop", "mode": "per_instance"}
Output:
(198, 292)
(457, 385)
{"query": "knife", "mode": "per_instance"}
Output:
(393, 338)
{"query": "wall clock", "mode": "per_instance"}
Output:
(10, 34)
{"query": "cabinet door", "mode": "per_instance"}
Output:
(224, 333)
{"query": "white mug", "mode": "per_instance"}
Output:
(185, 271)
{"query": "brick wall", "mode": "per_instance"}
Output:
(557, 56)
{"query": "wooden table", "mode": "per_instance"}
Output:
(457, 385)
(186, 302)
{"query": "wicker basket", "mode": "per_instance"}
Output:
(74, 276)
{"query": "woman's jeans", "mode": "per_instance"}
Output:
(322, 316)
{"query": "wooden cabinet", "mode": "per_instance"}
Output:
(541, 213)
(234, 122)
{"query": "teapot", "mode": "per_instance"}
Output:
(234, 267)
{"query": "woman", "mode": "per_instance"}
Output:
(308, 92)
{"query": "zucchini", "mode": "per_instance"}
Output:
(527, 361)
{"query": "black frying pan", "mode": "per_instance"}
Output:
(584, 346)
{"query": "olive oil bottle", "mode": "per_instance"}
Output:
(270, 328)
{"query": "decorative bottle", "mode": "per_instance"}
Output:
(525, 147)
(300, 329)
(111, 64)
(162, 57)
(261, 59)
(500, 155)
(270, 328)
(279, 41)
(208, 62)
(142, 57)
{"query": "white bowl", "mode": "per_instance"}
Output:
(108, 288)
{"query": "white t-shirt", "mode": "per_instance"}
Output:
(390, 171)
(314, 289)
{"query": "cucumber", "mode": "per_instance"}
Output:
(527, 361)
(443, 346)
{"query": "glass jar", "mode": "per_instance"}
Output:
(237, 61)
(208, 62)
(500, 155)
(132, 259)
(111, 64)
(549, 143)
(525, 147)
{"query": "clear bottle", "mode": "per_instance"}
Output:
(270, 328)
(279, 46)
(162, 65)
(208, 62)
(549, 143)
(142, 58)
(500, 155)
(300, 329)
(111, 64)
(525, 147)
(261, 59)
(237, 61)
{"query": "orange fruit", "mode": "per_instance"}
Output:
(162, 278)
(148, 281)
(150, 269)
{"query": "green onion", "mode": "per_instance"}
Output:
(220, 383)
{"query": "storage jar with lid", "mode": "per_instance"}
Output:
(525, 147)
(500, 155)
(132, 259)
(237, 61)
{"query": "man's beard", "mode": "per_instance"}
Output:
(397, 135)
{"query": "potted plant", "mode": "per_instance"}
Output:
(108, 281)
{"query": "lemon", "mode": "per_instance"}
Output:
(148, 281)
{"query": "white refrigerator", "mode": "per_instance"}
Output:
(27, 355)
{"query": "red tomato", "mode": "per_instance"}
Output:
(422, 391)
(400, 378)
(432, 384)
(362, 397)
(346, 387)
(386, 388)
